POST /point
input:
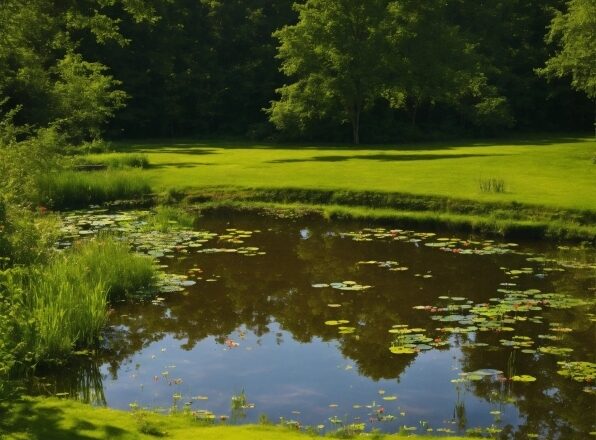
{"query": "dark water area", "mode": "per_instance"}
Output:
(270, 325)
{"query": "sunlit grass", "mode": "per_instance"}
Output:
(64, 419)
(556, 172)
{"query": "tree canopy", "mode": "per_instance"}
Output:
(390, 69)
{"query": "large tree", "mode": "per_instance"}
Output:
(336, 54)
(575, 34)
(344, 56)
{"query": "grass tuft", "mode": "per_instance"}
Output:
(491, 185)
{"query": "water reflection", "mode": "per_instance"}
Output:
(293, 365)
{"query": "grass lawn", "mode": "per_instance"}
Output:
(53, 419)
(558, 172)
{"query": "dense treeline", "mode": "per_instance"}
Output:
(389, 69)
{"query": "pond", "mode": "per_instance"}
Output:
(329, 324)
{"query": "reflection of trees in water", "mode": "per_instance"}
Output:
(254, 292)
(553, 406)
(81, 380)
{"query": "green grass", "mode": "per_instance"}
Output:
(71, 189)
(556, 172)
(119, 161)
(66, 302)
(53, 419)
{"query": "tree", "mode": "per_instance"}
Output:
(336, 54)
(43, 74)
(575, 34)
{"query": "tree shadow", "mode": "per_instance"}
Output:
(384, 157)
(45, 423)
(163, 165)
(208, 146)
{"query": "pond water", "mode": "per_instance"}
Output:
(330, 324)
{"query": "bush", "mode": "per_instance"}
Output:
(72, 189)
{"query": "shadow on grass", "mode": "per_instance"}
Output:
(162, 165)
(206, 146)
(27, 419)
(384, 157)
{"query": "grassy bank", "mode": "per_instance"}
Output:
(557, 172)
(505, 220)
(51, 419)
(534, 188)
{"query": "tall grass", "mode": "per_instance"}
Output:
(109, 261)
(132, 160)
(66, 309)
(71, 189)
(491, 185)
(67, 300)
(170, 217)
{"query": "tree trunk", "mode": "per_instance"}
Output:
(356, 126)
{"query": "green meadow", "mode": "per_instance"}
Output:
(555, 172)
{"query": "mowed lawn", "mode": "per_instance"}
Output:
(559, 172)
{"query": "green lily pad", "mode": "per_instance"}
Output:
(523, 378)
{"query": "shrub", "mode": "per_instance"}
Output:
(72, 189)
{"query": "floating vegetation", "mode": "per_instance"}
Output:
(445, 244)
(412, 340)
(523, 378)
(578, 371)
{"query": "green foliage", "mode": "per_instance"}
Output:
(71, 189)
(64, 308)
(574, 34)
(344, 56)
(84, 97)
(23, 157)
(336, 54)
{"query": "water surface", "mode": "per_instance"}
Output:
(253, 323)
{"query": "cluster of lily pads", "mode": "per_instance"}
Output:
(134, 227)
(428, 239)
(343, 285)
(412, 340)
